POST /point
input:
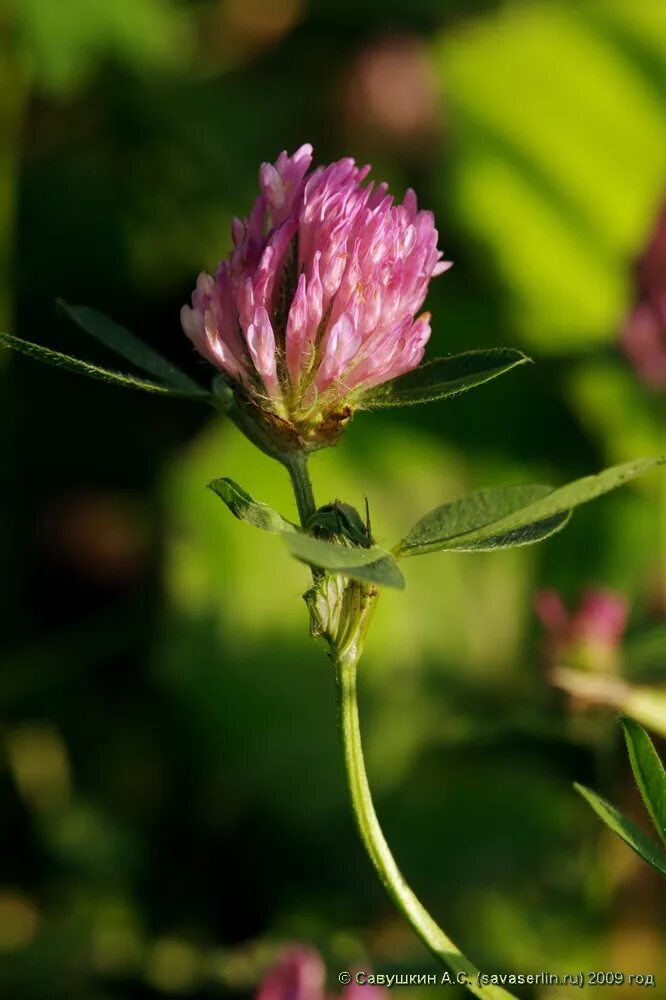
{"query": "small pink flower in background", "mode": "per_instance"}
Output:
(319, 300)
(644, 334)
(589, 637)
(301, 975)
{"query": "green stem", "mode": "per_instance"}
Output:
(432, 936)
(297, 467)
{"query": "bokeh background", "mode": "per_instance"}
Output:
(172, 807)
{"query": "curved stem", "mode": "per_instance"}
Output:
(432, 936)
(297, 466)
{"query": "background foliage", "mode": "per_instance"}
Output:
(172, 803)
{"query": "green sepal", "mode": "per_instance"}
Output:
(624, 828)
(441, 378)
(511, 516)
(68, 363)
(648, 772)
(369, 565)
(119, 340)
(247, 509)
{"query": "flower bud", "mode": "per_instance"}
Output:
(318, 300)
(339, 606)
(588, 638)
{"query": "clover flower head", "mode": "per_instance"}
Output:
(319, 300)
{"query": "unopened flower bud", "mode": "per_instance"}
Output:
(588, 638)
(339, 606)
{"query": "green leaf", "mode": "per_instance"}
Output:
(452, 526)
(625, 829)
(245, 508)
(512, 516)
(531, 192)
(94, 371)
(124, 343)
(372, 565)
(442, 378)
(648, 772)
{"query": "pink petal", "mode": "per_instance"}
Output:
(342, 343)
(297, 330)
(261, 346)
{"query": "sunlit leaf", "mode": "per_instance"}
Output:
(245, 508)
(648, 772)
(372, 565)
(512, 516)
(59, 360)
(537, 181)
(624, 828)
(118, 339)
(442, 378)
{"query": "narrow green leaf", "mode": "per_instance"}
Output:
(372, 565)
(94, 371)
(514, 515)
(624, 828)
(648, 772)
(118, 339)
(245, 508)
(452, 525)
(441, 378)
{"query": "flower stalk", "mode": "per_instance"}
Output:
(355, 606)
(297, 466)
(377, 849)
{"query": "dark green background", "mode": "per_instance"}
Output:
(172, 805)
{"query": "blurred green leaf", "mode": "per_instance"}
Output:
(245, 508)
(648, 772)
(560, 186)
(63, 42)
(442, 378)
(118, 339)
(372, 565)
(512, 516)
(625, 829)
(644, 654)
(94, 371)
